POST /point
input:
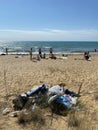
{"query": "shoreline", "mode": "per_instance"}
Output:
(47, 53)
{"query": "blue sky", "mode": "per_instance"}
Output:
(65, 20)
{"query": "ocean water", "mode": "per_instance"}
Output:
(23, 47)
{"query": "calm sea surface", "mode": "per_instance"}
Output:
(58, 46)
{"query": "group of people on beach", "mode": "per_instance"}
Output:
(43, 56)
(40, 56)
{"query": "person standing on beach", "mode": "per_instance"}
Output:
(6, 51)
(40, 52)
(94, 50)
(51, 50)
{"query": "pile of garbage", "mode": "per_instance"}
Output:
(56, 97)
(53, 95)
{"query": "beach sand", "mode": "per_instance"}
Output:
(18, 75)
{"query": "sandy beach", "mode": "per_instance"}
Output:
(18, 75)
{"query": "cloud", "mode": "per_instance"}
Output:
(49, 35)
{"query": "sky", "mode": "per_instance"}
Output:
(49, 20)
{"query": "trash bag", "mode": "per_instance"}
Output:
(71, 93)
(20, 101)
(58, 108)
(66, 101)
(59, 103)
(42, 89)
(56, 90)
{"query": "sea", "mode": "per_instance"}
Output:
(59, 47)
